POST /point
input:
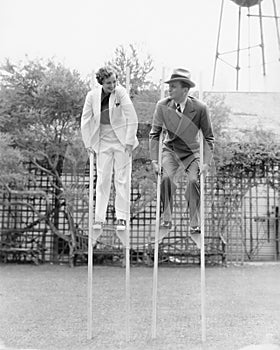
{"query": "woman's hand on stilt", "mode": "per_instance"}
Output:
(90, 150)
(129, 148)
(155, 167)
(205, 169)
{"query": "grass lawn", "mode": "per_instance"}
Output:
(45, 307)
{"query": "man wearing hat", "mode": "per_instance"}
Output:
(182, 116)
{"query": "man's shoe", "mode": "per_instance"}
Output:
(195, 230)
(97, 225)
(195, 235)
(164, 228)
(122, 232)
(121, 224)
(164, 224)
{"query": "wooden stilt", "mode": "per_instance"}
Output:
(157, 233)
(202, 218)
(127, 268)
(90, 248)
(127, 243)
(155, 274)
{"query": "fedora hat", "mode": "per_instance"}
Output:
(180, 74)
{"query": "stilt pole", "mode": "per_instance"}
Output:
(127, 245)
(202, 212)
(90, 247)
(155, 272)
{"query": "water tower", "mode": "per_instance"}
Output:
(257, 6)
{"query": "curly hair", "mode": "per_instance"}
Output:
(104, 73)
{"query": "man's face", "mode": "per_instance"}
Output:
(109, 84)
(176, 91)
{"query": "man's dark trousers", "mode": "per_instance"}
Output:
(171, 164)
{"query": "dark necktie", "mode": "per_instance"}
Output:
(178, 108)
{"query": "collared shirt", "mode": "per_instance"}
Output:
(173, 139)
(182, 104)
(105, 117)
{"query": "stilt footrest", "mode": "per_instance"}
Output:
(121, 232)
(196, 237)
(162, 233)
(96, 232)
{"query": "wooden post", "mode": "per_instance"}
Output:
(90, 247)
(202, 211)
(155, 272)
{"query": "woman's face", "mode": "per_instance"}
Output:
(109, 84)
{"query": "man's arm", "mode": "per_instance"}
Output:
(87, 121)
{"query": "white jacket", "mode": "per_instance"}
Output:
(122, 114)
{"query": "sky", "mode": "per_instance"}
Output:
(179, 33)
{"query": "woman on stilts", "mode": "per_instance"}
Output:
(109, 126)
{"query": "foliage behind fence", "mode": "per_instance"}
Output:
(241, 218)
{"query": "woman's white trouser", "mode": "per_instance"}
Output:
(112, 156)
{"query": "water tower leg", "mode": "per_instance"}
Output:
(277, 26)
(262, 41)
(238, 49)
(218, 41)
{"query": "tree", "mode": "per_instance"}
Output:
(218, 111)
(139, 70)
(40, 108)
(12, 169)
